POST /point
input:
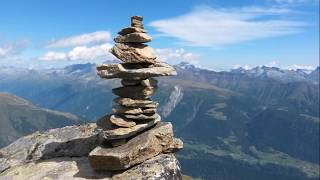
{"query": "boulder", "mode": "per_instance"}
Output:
(134, 92)
(125, 71)
(163, 166)
(135, 37)
(20, 160)
(68, 141)
(73, 141)
(137, 150)
(134, 53)
(136, 102)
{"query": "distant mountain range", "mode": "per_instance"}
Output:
(265, 72)
(19, 117)
(261, 123)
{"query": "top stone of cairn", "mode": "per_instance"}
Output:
(130, 47)
(136, 21)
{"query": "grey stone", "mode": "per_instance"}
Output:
(135, 37)
(118, 142)
(129, 30)
(130, 82)
(149, 111)
(134, 53)
(124, 71)
(142, 116)
(68, 141)
(150, 82)
(136, 21)
(118, 109)
(163, 166)
(134, 92)
(111, 132)
(28, 158)
(126, 110)
(128, 102)
(137, 150)
(121, 121)
(4, 165)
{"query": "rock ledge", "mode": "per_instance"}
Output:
(63, 154)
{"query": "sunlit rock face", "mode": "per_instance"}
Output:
(63, 154)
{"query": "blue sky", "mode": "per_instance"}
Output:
(209, 33)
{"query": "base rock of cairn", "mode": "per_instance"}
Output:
(132, 133)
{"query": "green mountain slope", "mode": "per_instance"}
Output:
(19, 117)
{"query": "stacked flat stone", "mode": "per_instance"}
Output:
(133, 112)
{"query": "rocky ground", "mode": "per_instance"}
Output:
(63, 154)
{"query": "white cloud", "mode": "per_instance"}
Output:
(78, 53)
(237, 66)
(83, 39)
(209, 27)
(51, 55)
(304, 67)
(12, 48)
(90, 53)
(177, 55)
(4, 51)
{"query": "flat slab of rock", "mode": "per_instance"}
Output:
(118, 109)
(150, 82)
(135, 37)
(129, 30)
(135, 92)
(126, 110)
(146, 145)
(121, 122)
(149, 111)
(164, 166)
(126, 71)
(68, 141)
(111, 132)
(134, 53)
(136, 102)
(130, 82)
(142, 116)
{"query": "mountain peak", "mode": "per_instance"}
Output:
(185, 65)
(85, 68)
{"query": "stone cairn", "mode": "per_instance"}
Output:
(133, 133)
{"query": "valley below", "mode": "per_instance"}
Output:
(253, 124)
